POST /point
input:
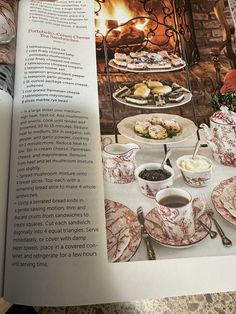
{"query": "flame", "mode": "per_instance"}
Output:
(119, 11)
(140, 26)
(100, 25)
(122, 13)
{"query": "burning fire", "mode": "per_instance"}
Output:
(141, 26)
(115, 13)
(136, 25)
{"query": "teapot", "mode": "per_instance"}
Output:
(221, 136)
(119, 161)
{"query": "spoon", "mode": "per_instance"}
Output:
(226, 242)
(213, 234)
(167, 155)
(196, 149)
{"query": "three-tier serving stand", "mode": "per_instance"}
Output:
(179, 48)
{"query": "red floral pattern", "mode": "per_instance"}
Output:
(221, 190)
(178, 224)
(119, 168)
(224, 143)
(154, 226)
(114, 211)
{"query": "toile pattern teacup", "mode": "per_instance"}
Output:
(178, 213)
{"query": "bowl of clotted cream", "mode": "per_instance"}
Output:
(196, 172)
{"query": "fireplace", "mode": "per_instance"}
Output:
(200, 31)
(152, 24)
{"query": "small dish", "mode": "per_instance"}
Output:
(150, 188)
(195, 171)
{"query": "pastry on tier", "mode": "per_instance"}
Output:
(157, 132)
(141, 60)
(151, 92)
(157, 128)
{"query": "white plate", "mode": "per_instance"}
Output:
(224, 199)
(187, 98)
(171, 69)
(153, 227)
(126, 128)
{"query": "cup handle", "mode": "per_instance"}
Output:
(198, 208)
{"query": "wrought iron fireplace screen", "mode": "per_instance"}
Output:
(163, 24)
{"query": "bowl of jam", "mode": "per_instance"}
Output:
(152, 178)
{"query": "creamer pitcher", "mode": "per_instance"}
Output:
(119, 162)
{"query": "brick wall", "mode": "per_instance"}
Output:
(207, 29)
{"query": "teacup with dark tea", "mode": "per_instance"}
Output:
(174, 201)
(178, 212)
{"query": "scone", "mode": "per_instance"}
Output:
(171, 125)
(142, 127)
(155, 120)
(157, 132)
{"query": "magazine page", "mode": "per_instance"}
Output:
(156, 88)
(64, 244)
(7, 60)
(56, 218)
(5, 129)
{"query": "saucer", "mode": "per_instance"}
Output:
(153, 227)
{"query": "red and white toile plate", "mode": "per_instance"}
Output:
(155, 230)
(123, 232)
(118, 237)
(224, 199)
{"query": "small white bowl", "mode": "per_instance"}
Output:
(195, 178)
(150, 188)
